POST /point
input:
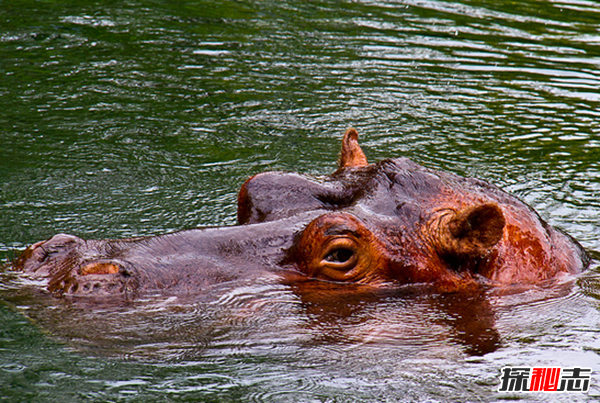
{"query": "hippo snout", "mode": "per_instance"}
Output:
(40, 259)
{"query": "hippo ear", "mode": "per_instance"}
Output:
(473, 231)
(352, 155)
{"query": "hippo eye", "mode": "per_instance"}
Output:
(341, 255)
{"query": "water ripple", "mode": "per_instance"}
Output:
(146, 117)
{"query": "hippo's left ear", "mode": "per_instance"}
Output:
(352, 155)
(473, 231)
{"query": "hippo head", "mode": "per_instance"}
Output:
(389, 222)
(396, 221)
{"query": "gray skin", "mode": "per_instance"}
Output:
(182, 262)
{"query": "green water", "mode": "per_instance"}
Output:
(142, 117)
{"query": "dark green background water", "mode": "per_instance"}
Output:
(124, 118)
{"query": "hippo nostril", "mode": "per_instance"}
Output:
(340, 255)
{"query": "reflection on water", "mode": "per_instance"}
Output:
(265, 341)
(136, 118)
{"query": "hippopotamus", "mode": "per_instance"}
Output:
(388, 223)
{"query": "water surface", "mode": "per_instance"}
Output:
(143, 117)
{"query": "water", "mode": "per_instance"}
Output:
(142, 117)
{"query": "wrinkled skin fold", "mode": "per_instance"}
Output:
(391, 222)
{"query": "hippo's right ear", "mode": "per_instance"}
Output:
(473, 231)
(352, 155)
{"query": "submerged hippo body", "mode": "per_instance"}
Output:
(389, 222)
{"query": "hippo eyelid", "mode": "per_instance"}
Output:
(340, 230)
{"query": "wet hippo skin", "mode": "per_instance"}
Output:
(391, 222)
